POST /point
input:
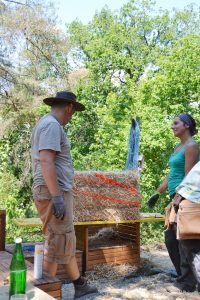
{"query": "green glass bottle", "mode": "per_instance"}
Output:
(18, 270)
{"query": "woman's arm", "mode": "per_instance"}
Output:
(163, 187)
(154, 198)
(191, 156)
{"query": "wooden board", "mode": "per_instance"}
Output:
(2, 229)
(32, 292)
(145, 217)
(114, 255)
(50, 285)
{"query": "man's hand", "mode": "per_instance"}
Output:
(59, 207)
(153, 199)
(176, 201)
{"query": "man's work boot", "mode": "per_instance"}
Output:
(84, 289)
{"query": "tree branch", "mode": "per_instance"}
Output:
(16, 2)
(46, 57)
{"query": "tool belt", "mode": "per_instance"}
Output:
(187, 216)
(170, 216)
(188, 220)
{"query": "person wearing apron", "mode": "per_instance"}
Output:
(181, 161)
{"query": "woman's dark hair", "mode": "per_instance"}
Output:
(188, 120)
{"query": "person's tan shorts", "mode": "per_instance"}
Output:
(60, 239)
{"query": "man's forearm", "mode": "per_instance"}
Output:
(50, 177)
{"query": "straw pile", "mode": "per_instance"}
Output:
(104, 196)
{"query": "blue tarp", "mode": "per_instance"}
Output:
(133, 146)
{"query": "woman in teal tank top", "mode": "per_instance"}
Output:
(184, 157)
(177, 163)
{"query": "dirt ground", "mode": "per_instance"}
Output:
(120, 282)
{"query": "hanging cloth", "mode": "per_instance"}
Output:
(133, 146)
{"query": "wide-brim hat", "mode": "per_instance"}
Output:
(64, 97)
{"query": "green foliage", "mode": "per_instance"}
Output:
(152, 233)
(140, 64)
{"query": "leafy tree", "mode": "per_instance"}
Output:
(141, 63)
(118, 50)
(34, 63)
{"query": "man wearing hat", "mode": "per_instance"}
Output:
(52, 188)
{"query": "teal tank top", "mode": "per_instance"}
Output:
(177, 169)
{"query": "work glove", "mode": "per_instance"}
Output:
(153, 199)
(58, 207)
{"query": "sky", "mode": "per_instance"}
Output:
(84, 10)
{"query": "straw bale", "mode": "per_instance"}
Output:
(106, 195)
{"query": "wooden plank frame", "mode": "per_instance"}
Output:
(82, 244)
(129, 252)
(2, 229)
(132, 232)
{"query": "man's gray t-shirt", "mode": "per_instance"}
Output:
(48, 134)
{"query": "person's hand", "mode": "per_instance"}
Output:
(58, 207)
(176, 201)
(153, 199)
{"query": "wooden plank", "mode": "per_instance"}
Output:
(145, 217)
(27, 222)
(56, 294)
(112, 260)
(2, 212)
(49, 283)
(113, 251)
(82, 244)
(152, 218)
(92, 264)
(120, 256)
(125, 249)
(116, 250)
(2, 229)
(32, 293)
(50, 287)
(111, 254)
(126, 244)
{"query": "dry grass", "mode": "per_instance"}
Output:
(109, 272)
(112, 286)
